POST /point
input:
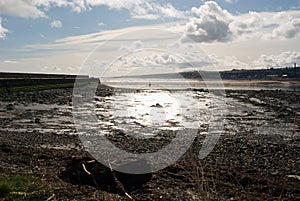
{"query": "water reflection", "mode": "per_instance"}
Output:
(144, 113)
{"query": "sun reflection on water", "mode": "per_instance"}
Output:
(147, 112)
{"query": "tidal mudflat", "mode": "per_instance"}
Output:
(256, 157)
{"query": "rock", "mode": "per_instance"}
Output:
(199, 90)
(157, 105)
(10, 107)
(37, 120)
(131, 181)
(87, 171)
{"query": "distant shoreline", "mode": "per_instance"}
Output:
(212, 84)
(12, 80)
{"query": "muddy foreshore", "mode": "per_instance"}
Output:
(242, 166)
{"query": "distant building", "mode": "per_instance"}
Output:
(272, 76)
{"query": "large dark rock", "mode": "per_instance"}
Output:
(102, 177)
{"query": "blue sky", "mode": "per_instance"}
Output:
(25, 25)
(28, 30)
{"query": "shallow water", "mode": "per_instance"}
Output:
(148, 112)
(145, 113)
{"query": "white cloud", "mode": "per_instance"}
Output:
(295, 7)
(139, 9)
(160, 59)
(76, 5)
(100, 24)
(279, 60)
(20, 8)
(231, 1)
(56, 24)
(168, 10)
(214, 24)
(3, 30)
(146, 62)
(49, 3)
(145, 16)
(133, 46)
(210, 25)
(228, 63)
(287, 30)
(246, 26)
(116, 4)
(72, 51)
(37, 8)
(284, 59)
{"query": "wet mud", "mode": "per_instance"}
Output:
(256, 158)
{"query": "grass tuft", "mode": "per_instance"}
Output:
(23, 188)
(42, 87)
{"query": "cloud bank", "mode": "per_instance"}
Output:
(284, 59)
(288, 30)
(209, 23)
(214, 24)
(146, 9)
(20, 8)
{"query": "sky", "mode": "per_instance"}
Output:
(145, 36)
